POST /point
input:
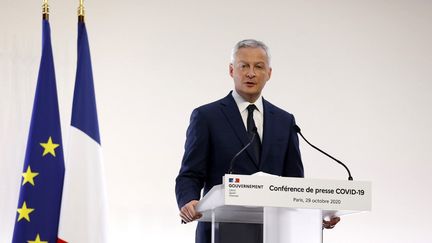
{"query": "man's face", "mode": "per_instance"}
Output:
(250, 72)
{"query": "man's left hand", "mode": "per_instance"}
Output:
(331, 223)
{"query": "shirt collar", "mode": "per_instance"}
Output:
(243, 104)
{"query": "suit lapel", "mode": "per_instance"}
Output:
(232, 114)
(270, 127)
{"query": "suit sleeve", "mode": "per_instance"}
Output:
(193, 169)
(293, 163)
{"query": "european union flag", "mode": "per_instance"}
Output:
(41, 188)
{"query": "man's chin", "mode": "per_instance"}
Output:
(250, 96)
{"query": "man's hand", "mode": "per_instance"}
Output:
(331, 223)
(188, 212)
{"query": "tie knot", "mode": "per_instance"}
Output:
(251, 108)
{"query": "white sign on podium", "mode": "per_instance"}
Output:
(291, 209)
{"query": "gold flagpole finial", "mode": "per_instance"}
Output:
(45, 10)
(81, 12)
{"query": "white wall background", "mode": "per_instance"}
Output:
(357, 75)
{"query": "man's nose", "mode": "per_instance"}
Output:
(251, 73)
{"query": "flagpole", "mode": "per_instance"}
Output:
(81, 13)
(45, 10)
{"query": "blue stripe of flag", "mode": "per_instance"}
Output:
(84, 112)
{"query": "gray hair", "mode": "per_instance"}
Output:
(251, 43)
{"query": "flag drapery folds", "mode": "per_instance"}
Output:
(83, 211)
(43, 173)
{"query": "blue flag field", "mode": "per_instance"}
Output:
(43, 172)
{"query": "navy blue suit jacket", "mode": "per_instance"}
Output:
(217, 132)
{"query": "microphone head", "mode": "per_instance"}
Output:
(297, 128)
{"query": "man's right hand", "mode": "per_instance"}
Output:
(188, 212)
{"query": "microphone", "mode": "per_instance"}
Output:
(297, 129)
(254, 131)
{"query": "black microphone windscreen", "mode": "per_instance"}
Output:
(297, 128)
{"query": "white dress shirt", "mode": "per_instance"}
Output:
(258, 114)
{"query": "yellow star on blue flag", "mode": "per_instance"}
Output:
(29, 176)
(24, 212)
(49, 147)
(37, 240)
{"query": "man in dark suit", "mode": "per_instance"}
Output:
(218, 130)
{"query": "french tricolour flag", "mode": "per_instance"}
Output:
(83, 211)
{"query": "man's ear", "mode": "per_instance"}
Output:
(231, 69)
